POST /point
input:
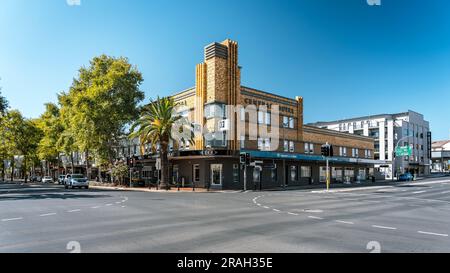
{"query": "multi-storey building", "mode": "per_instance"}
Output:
(441, 156)
(391, 131)
(221, 109)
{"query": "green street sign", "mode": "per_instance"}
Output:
(404, 151)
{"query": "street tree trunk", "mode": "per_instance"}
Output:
(88, 172)
(71, 162)
(12, 169)
(164, 166)
(25, 173)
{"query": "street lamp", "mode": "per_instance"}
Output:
(394, 154)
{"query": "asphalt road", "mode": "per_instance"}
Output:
(404, 218)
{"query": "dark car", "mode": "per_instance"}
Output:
(406, 177)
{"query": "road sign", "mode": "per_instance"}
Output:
(404, 151)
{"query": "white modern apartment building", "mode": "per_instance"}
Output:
(390, 130)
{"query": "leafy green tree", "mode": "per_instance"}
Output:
(120, 171)
(51, 126)
(3, 104)
(66, 141)
(22, 138)
(157, 126)
(101, 102)
(4, 143)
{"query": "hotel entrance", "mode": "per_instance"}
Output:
(216, 175)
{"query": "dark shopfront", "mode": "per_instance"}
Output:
(273, 170)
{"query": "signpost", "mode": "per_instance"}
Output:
(403, 151)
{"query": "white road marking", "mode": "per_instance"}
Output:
(432, 233)
(118, 202)
(445, 192)
(313, 210)
(47, 214)
(291, 213)
(97, 207)
(419, 192)
(276, 210)
(123, 207)
(266, 207)
(12, 219)
(108, 205)
(315, 218)
(344, 222)
(383, 227)
(75, 210)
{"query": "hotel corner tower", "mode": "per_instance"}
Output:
(213, 161)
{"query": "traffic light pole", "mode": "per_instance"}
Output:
(328, 174)
(245, 177)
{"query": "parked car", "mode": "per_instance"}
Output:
(61, 179)
(406, 177)
(47, 179)
(35, 179)
(76, 181)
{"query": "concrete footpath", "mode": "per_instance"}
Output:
(316, 187)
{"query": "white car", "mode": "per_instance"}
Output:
(47, 179)
(76, 181)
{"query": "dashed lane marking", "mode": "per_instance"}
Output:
(47, 214)
(75, 210)
(315, 217)
(12, 219)
(433, 234)
(384, 227)
(419, 192)
(344, 222)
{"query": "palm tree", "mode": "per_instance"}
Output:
(158, 125)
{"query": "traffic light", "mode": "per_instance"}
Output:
(242, 158)
(248, 159)
(327, 150)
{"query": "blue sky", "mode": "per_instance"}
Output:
(361, 59)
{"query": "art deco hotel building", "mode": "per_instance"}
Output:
(292, 157)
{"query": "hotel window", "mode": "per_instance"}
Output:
(288, 122)
(264, 144)
(242, 114)
(196, 173)
(242, 142)
(214, 111)
(291, 123)
(268, 118)
(286, 146)
(368, 153)
(294, 173)
(260, 117)
(342, 151)
(291, 146)
(309, 148)
(267, 144)
(355, 152)
(285, 122)
(260, 144)
(305, 171)
(264, 118)
(274, 174)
